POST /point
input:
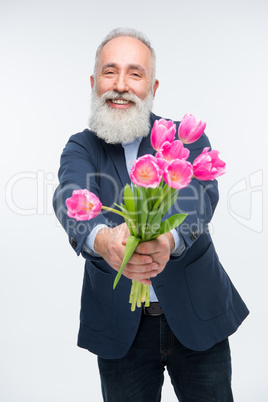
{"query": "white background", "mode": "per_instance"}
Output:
(211, 61)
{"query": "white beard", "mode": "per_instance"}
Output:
(120, 125)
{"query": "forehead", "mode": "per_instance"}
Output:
(125, 51)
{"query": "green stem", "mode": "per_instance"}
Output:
(131, 295)
(143, 292)
(147, 297)
(134, 299)
(126, 217)
(162, 198)
(131, 244)
(113, 210)
(138, 301)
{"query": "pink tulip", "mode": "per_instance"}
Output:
(190, 129)
(170, 151)
(208, 166)
(163, 130)
(178, 174)
(83, 205)
(145, 172)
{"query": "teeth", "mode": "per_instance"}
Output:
(120, 101)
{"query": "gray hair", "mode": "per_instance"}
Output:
(117, 32)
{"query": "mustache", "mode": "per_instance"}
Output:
(119, 95)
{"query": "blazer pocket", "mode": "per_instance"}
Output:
(96, 300)
(209, 286)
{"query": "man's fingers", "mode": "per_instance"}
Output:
(140, 259)
(143, 277)
(144, 268)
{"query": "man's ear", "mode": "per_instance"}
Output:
(156, 85)
(92, 81)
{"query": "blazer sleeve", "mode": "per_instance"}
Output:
(77, 171)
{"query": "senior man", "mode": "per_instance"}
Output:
(194, 306)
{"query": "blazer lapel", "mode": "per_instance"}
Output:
(117, 155)
(145, 145)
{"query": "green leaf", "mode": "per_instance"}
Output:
(172, 223)
(115, 211)
(137, 191)
(144, 211)
(123, 209)
(151, 195)
(129, 199)
(136, 201)
(153, 224)
(131, 244)
(167, 204)
(129, 218)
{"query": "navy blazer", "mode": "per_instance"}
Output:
(200, 302)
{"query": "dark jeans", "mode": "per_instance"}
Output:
(195, 376)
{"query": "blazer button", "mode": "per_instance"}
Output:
(194, 234)
(73, 243)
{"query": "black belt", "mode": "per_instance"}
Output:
(154, 309)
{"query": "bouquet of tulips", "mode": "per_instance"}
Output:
(155, 184)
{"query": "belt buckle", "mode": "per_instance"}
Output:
(151, 307)
(144, 309)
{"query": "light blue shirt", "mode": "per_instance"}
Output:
(131, 152)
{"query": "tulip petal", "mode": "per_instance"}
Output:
(173, 150)
(190, 129)
(208, 166)
(83, 205)
(163, 130)
(146, 172)
(178, 174)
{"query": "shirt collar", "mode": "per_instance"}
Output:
(134, 142)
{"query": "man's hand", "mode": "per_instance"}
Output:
(148, 260)
(159, 250)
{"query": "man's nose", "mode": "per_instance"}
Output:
(121, 84)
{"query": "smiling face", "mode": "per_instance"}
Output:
(125, 65)
(122, 90)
